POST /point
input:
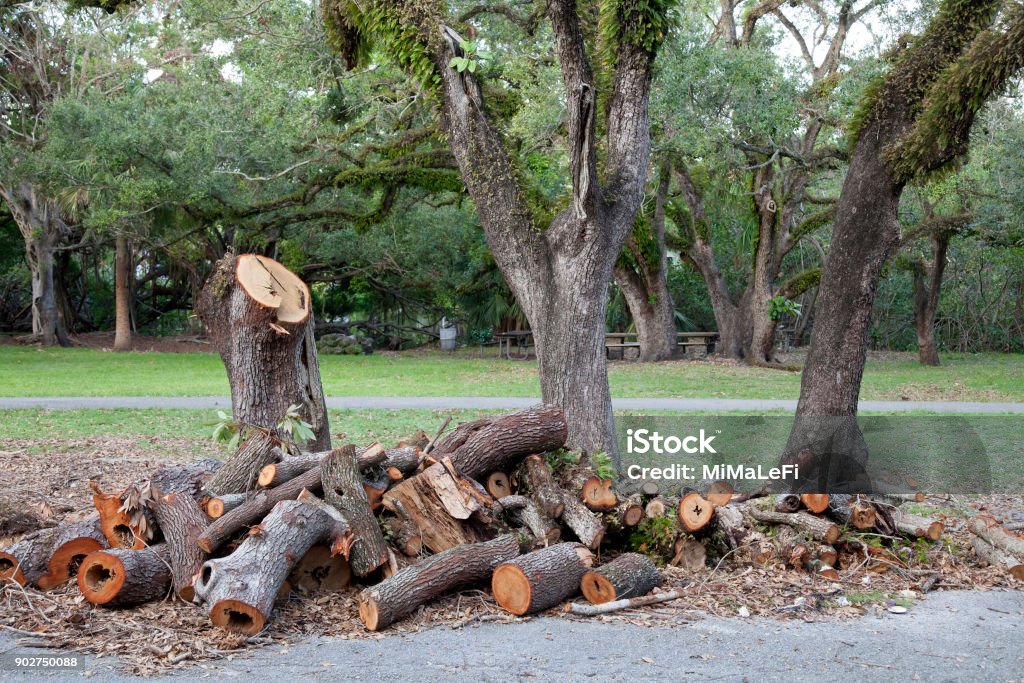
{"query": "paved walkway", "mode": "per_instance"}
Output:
(498, 403)
(955, 636)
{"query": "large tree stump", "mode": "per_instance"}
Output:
(389, 601)
(629, 575)
(123, 577)
(495, 443)
(239, 590)
(343, 489)
(241, 471)
(541, 579)
(71, 543)
(258, 315)
(182, 523)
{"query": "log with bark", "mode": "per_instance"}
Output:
(628, 513)
(242, 470)
(587, 525)
(404, 533)
(630, 575)
(917, 526)
(596, 493)
(541, 579)
(851, 510)
(997, 547)
(258, 315)
(818, 528)
(31, 559)
(124, 577)
(523, 512)
(221, 505)
(343, 489)
(239, 590)
(288, 466)
(71, 544)
(542, 489)
(390, 600)
(787, 502)
(182, 523)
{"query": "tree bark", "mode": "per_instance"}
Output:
(182, 522)
(242, 470)
(927, 286)
(123, 276)
(541, 579)
(343, 489)
(71, 543)
(630, 575)
(817, 528)
(259, 317)
(389, 601)
(123, 577)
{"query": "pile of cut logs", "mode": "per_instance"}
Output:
(496, 499)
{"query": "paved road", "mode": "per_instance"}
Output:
(497, 403)
(956, 636)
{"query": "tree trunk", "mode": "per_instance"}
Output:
(630, 575)
(182, 522)
(123, 276)
(259, 317)
(541, 579)
(927, 286)
(124, 577)
(389, 601)
(343, 489)
(239, 590)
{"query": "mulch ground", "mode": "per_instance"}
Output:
(164, 636)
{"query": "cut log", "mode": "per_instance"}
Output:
(998, 547)
(239, 590)
(403, 531)
(690, 555)
(730, 524)
(288, 467)
(255, 508)
(541, 579)
(71, 543)
(242, 470)
(629, 513)
(827, 555)
(852, 510)
(121, 529)
(437, 507)
(787, 502)
(595, 492)
(917, 526)
(221, 505)
(504, 440)
(189, 479)
(343, 489)
(650, 488)
(404, 459)
(587, 526)
(27, 561)
(543, 491)
(458, 436)
(655, 508)
(629, 575)
(498, 485)
(124, 577)
(815, 502)
(818, 528)
(694, 512)
(258, 315)
(997, 557)
(390, 600)
(719, 493)
(182, 523)
(320, 571)
(523, 512)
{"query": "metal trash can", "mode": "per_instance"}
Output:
(447, 335)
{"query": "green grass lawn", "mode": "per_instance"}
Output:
(28, 371)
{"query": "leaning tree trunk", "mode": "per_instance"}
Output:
(927, 285)
(123, 273)
(259, 316)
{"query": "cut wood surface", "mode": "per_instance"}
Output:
(121, 529)
(629, 512)
(71, 543)
(852, 510)
(815, 502)
(694, 511)
(390, 600)
(499, 442)
(123, 577)
(221, 505)
(182, 523)
(343, 489)
(541, 579)
(498, 485)
(320, 571)
(27, 561)
(787, 502)
(917, 526)
(629, 575)
(239, 590)
(288, 466)
(430, 498)
(258, 315)
(719, 493)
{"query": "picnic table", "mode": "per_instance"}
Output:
(687, 340)
(523, 340)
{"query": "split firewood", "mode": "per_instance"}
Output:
(258, 314)
(818, 528)
(629, 575)
(542, 488)
(541, 579)
(917, 526)
(997, 547)
(719, 493)
(587, 525)
(182, 523)
(255, 508)
(815, 502)
(689, 554)
(787, 502)
(239, 590)
(124, 577)
(320, 571)
(523, 512)
(223, 504)
(438, 507)
(694, 511)
(394, 598)
(498, 485)
(503, 440)
(628, 603)
(71, 543)
(853, 511)
(343, 489)
(242, 470)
